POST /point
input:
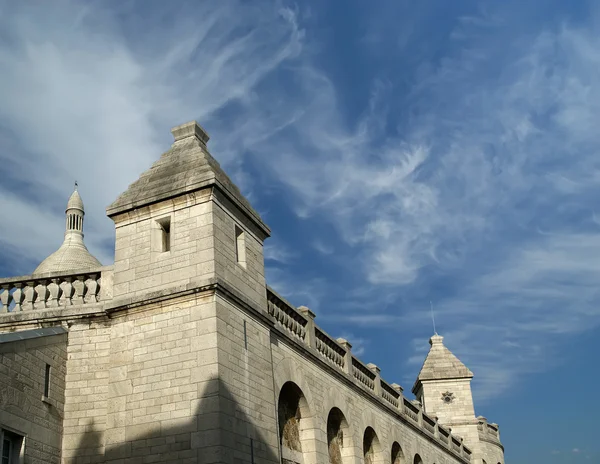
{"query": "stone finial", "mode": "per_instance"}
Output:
(345, 343)
(397, 387)
(306, 312)
(374, 368)
(436, 340)
(190, 129)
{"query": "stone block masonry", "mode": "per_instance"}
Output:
(32, 393)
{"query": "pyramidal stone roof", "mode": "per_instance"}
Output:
(186, 167)
(441, 364)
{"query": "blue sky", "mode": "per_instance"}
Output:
(402, 152)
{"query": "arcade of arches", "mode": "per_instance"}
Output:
(295, 424)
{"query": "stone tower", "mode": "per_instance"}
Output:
(183, 221)
(443, 387)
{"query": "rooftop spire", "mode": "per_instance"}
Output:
(72, 254)
(440, 364)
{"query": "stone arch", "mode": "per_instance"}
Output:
(372, 451)
(288, 370)
(339, 441)
(397, 454)
(417, 459)
(335, 398)
(295, 424)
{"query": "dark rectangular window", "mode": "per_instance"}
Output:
(47, 382)
(10, 447)
(165, 226)
(240, 246)
(6, 451)
(245, 336)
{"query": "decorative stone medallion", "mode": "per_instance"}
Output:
(448, 397)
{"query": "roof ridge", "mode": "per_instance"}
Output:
(185, 167)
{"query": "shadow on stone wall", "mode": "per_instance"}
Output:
(220, 432)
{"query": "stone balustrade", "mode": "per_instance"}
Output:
(299, 325)
(287, 317)
(487, 431)
(363, 374)
(329, 348)
(28, 293)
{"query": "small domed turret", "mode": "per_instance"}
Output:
(72, 255)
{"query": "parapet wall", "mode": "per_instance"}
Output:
(55, 290)
(298, 325)
(32, 300)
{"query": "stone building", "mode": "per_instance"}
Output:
(180, 352)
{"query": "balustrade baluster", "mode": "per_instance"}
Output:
(55, 293)
(92, 289)
(30, 295)
(42, 294)
(80, 290)
(67, 291)
(5, 298)
(18, 297)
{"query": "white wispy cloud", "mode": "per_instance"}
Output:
(87, 97)
(277, 251)
(497, 184)
(487, 172)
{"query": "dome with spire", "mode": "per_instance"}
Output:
(72, 255)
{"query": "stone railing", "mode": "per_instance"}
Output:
(456, 444)
(28, 293)
(411, 410)
(443, 434)
(287, 317)
(299, 324)
(329, 348)
(429, 424)
(391, 393)
(487, 431)
(363, 374)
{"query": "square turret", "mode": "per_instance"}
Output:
(184, 224)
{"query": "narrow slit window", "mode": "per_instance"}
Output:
(165, 226)
(47, 382)
(240, 246)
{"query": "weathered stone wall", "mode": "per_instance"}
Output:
(491, 452)
(247, 401)
(22, 378)
(461, 406)
(86, 391)
(248, 280)
(140, 265)
(145, 384)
